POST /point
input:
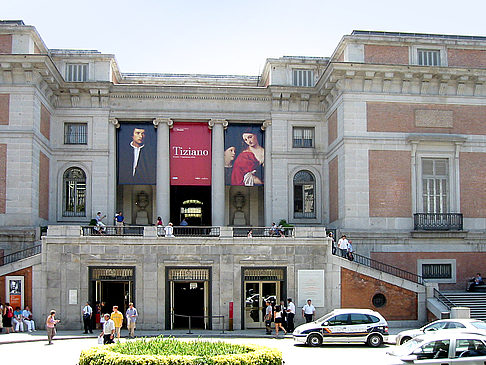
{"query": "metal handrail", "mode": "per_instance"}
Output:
(443, 299)
(190, 320)
(389, 269)
(19, 255)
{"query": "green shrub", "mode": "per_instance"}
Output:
(169, 351)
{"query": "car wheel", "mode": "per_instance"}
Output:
(375, 340)
(405, 339)
(314, 340)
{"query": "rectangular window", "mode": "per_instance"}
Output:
(75, 133)
(437, 271)
(303, 137)
(435, 185)
(303, 78)
(428, 57)
(77, 72)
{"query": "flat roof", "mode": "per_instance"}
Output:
(419, 35)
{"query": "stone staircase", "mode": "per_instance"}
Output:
(475, 301)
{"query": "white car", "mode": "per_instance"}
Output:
(470, 325)
(443, 348)
(344, 326)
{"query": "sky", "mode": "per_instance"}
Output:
(229, 37)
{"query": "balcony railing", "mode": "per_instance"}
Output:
(191, 231)
(437, 221)
(113, 231)
(263, 232)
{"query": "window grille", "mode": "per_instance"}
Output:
(77, 72)
(427, 57)
(304, 195)
(437, 271)
(303, 78)
(303, 137)
(75, 133)
(74, 196)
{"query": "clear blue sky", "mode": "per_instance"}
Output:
(229, 37)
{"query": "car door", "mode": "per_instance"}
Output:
(469, 352)
(335, 329)
(358, 327)
(434, 352)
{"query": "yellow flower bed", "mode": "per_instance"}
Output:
(256, 355)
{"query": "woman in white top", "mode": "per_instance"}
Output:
(278, 318)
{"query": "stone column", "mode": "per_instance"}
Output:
(267, 196)
(162, 193)
(112, 183)
(217, 170)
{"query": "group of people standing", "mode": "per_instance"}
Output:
(344, 246)
(283, 315)
(14, 320)
(110, 324)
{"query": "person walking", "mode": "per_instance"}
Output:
(87, 313)
(117, 318)
(268, 317)
(308, 311)
(343, 246)
(278, 318)
(51, 322)
(108, 331)
(131, 315)
(7, 315)
(290, 315)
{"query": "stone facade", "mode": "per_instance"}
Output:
(376, 113)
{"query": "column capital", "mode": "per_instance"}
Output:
(114, 121)
(159, 120)
(213, 122)
(266, 124)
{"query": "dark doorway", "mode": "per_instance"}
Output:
(111, 293)
(192, 203)
(189, 301)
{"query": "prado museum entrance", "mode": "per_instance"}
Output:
(189, 295)
(112, 286)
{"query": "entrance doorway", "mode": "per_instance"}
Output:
(192, 203)
(112, 286)
(257, 294)
(188, 301)
(259, 286)
(189, 295)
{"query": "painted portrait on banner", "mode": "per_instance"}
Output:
(244, 155)
(136, 153)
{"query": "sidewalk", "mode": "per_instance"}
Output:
(40, 335)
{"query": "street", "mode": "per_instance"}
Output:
(66, 352)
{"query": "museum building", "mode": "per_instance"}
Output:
(382, 141)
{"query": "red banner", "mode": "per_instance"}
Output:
(190, 154)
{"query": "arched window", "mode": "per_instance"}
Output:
(304, 195)
(74, 193)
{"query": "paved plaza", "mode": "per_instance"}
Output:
(25, 348)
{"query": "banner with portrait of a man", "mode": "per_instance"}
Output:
(136, 153)
(244, 155)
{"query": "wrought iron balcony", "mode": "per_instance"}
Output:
(437, 221)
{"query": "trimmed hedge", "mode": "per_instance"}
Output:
(244, 354)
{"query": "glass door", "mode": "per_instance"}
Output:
(256, 294)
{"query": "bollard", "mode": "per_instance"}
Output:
(230, 324)
(189, 333)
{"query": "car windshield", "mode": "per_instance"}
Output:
(479, 325)
(325, 318)
(408, 347)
